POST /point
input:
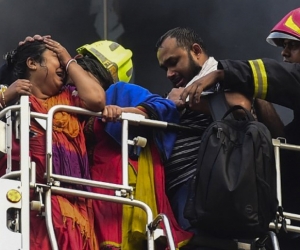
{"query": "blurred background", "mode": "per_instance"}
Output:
(231, 29)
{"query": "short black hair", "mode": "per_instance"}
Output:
(185, 37)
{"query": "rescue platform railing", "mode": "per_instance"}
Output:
(281, 144)
(15, 193)
(26, 175)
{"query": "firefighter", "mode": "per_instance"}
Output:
(274, 82)
(286, 34)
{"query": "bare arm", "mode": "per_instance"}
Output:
(13, 92)
(113, 112)
(267, 114)
(234, 98)
(88, 87)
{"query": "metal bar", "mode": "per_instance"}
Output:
(91, 183)
(8, 139)
(274, 240)
(49, 223)
(289, 228)
(163, 217)
(24, 166)
(11, 175)
(127, 201)
(278, 174)
(278, 143)
(51, 113)
(12, 108)
(125, 152)
(104, 197)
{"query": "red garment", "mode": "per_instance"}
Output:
(73, 217)
(107, 162)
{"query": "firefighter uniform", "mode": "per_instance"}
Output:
(277, 83)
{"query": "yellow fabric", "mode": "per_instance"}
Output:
(135, 219)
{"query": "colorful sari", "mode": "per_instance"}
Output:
(72, 217)
(120, 226)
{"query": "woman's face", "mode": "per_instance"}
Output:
(48, 76)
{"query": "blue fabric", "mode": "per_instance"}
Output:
(178, 201)
(130, 95)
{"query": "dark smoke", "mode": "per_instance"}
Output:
(67, 21)
(232, 29)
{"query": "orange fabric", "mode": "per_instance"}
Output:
(62, 121)
(69, 150)
(73, 217)
(79, 214)
(69, 234)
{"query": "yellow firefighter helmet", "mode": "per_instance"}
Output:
(113, 56)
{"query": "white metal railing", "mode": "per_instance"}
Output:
(124, 192)
(279, 144)
(19, 238)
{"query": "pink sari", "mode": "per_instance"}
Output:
(73, 217)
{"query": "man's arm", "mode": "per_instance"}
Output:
(266, 114)
(203, 106)
(263, 78)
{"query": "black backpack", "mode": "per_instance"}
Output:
(233, 192)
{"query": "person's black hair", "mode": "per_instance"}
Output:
(5, 75)
(185, 37)
(92, 65)
(16, 61)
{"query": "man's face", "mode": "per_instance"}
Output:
(291, 51)
(179, 63)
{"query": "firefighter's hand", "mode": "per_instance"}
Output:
(193, 92)
(111, 113)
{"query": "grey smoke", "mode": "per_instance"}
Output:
(234, 29)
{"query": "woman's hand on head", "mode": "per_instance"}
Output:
(62, 54)
(111, 113)
(33, 38)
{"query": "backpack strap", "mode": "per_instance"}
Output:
(218, 106)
